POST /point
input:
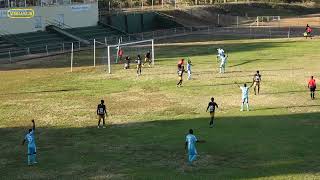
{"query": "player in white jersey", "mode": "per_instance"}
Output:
(245, 95)
(220, 53)
(223, 61)
(31, 145)
(189, 64)
(190, 145)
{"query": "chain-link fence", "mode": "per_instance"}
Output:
(243, 32)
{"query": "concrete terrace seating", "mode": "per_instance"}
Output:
(48, 42)
(94, 32)
(5, 47)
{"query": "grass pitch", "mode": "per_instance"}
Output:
(150, 116)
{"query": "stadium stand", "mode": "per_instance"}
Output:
(52, 41)
(94, 32)
(5, 47)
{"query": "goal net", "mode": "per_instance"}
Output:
(113, 57)
(268, 20)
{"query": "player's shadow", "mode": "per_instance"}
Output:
(283, 69)
(219, 84)
(286, 107)
(43, 91)
(251, 61)
(239, 147)
(287, 92)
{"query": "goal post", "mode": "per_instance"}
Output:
(137, 45)
(267, 20)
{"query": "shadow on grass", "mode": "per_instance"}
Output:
(288, 92)
(44, 91)
(285, 107)
(239, 147)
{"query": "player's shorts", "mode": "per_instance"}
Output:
(245, 99)
(212, 114)
(31, 150)
(256, 83)
(312, 89)
(146, 59)
(222, 65)
(101, 116)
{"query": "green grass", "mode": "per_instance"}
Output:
(149, 116)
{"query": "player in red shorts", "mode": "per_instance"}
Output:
(180, 72)
(312, 86)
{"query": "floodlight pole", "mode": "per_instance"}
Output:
(94, 52)
(109, 61)
(71, 61)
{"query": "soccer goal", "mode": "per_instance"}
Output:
(113, 56)
(268, 20)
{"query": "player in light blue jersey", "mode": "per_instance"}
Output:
(189, 64)
(245, 95)
(190, 145)
(223, 61)
(31, 144)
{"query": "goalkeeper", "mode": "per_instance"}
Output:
(147, 58)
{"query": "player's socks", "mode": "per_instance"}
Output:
(29, 160)
(247, 104)
(241, 107)
(33, 158)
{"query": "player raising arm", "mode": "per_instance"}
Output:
(212, 107)
(245, 95)
(220, 53)
(190, 146)
(31, 145)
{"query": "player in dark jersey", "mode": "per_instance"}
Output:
(127, 62)
(147, 58)
(102, 113)
(256, 82)
(212, 108)
(180, 72)
(139, 65)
